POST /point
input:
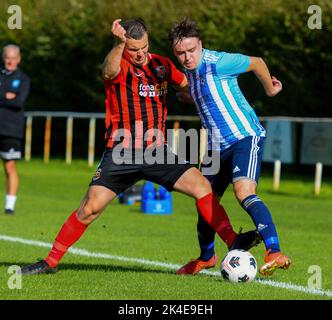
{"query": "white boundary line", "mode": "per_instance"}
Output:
(86, 253)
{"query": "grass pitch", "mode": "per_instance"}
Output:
(126, 254)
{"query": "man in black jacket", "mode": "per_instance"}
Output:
(14, 89)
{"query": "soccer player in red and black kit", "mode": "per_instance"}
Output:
(136, 84)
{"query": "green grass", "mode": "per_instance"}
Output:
(49, 193)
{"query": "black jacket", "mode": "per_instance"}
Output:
(12, 111)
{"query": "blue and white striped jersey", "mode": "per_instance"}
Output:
(222, 107)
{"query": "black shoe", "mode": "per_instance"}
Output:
(9, 211)
(246, 240)
(39, 267)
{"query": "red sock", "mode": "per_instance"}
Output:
(215, 215)
(70, 232)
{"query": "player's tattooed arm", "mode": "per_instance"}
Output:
(111, 66)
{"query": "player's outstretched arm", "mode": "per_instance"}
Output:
(271, 85)
(111, 67)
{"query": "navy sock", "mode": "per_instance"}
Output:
(206, 239)
(262, 219)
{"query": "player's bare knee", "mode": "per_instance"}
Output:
(10, 168)
(244, 188)
(88, 213)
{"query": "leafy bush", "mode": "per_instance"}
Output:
(65, 41)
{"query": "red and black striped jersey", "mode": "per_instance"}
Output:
(136, 108)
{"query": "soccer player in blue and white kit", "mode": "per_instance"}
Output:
(233, 130)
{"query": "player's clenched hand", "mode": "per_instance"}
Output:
(118, 31)
(277, 86)
(10, 95)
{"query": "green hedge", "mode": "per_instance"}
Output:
(64, 43)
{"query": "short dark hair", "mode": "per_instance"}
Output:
(135, 28)
(184, 29)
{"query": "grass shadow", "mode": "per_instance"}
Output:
(95, 267)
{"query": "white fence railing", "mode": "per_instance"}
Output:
(71, 116)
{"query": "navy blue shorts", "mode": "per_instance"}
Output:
(240, 161)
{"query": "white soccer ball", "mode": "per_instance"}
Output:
(238, 266)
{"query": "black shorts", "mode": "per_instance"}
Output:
(10, 148)
(117, 176)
